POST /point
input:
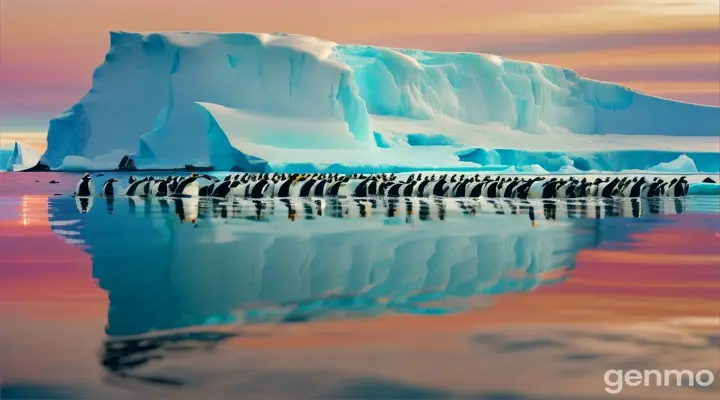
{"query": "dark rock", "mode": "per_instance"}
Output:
(126, 164)
(39, 167)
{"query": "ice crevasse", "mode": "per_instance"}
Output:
(281, 102)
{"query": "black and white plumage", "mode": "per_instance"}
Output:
(161, 188)
(108, 189)
(188, 187)
(224, 188)
(319, 185)
(84, 187)
(677, 188)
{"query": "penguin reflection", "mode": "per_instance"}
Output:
(110, 204)
(320, 204)
(121, 356)
(83, 204)
(308, 209)
(628, 208)
(425, 209)
(409, 210)
(531, 214)
(220, 208)
(258, 205)
(336, 208)
(186, 209)
(391, 207)
(679, 205)
(164, 206)
(290, 209)
(550, 210)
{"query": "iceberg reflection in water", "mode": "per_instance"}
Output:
(176, 271)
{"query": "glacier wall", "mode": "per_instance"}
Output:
(172, 99)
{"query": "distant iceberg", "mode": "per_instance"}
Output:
(279, 102)
(17, 157)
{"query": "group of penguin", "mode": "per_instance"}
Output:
(282, 185)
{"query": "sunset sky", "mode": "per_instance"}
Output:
(49, 48)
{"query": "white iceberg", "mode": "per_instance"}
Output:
(284, 102)
(18, 157)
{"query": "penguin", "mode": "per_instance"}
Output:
(490, 189)
(475, 189)
(634, 189)
(206, 190)
(259, 189)
(144, 186)
(567, 190)
(677, 188)
(107, 188)
(438, 188)
(321, 188)
(224, 188)
(537, 189)
(188, 187)
(362, 189)
(303, 188)
(409, 190)
(282, 187)
(461, 188)
(161, 188)
(133, 188)
(395, 189)
(510, 189)
(339, 187)
(607, 189)
(84, 187)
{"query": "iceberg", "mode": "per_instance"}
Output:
(18, 157)
(283, 102)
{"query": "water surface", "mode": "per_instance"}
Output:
(133, 298)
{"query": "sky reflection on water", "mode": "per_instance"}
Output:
(362, 307)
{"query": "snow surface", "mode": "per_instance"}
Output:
(17, 157)
(297, 103)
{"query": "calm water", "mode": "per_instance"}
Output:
(149, 298)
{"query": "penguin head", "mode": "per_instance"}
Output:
(86, 177)
(193, 175)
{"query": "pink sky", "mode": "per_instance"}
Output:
(664, 47)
